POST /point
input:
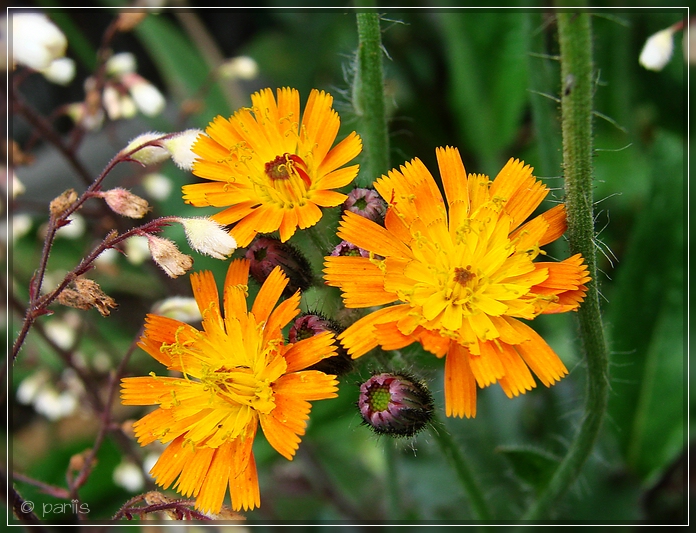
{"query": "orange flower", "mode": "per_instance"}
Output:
(273, 170)
(237, 373)
(463, 273)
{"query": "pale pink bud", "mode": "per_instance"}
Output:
(168, 257)
(125, 203)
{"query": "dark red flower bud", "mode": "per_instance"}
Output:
(397, 405)
(366, 203)
(265, 253)
(348, 248)
(312, 324)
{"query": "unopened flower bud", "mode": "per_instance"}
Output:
(242, 67)
(312, 324)
(36, 41)
(147, 97)
(125, 203)
(397, 405)
(348, 248)
(61, 71)
(168, 257)
(150, 154)
(265, 253)
(120, 64)
(179, 147)
(366, 203)
(208, 237)
(657, 50)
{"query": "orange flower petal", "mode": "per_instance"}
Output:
(460, 385)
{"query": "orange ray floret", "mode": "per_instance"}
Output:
(271, 168)
(461, 272)
(237, 373)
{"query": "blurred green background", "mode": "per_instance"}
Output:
(486, 81)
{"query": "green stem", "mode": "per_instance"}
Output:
(368, 100)
(575, 39)
(456, 458)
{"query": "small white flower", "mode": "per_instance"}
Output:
(55, 405)
(657, 50)
(158, 186)
(17, 186)
(36, 41)
(61, 333)
(120, 64)
(129, 476)
(168, 257)
(30, 386)
(107, 258)
(60, 71)
(208, 237)
(137, 250)
(147, 97)
(180, 148)
(75, 229)
(242, 67)
(21, 224)
(181, 308)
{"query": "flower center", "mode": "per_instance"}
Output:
(378, 397)
(240, 385)
(283, 167)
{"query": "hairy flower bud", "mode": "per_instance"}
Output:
(366, 203)
(180, 145)
(168, 257)
(312, 324)
(208, 237)
(150, 154)
(62, 203)
(265, 253)
(125, 203)
(397, 405)
(348, 248)
(242, 67)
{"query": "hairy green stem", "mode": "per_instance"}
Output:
(368, 100)
(575, 39)
(456, 458)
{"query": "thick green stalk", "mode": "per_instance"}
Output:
(574, 31)
(454, 455)
(368, 100)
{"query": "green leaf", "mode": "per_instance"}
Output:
(646, 322)
(532, 466)
(486, 53)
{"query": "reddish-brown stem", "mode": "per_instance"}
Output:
(56, 492)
